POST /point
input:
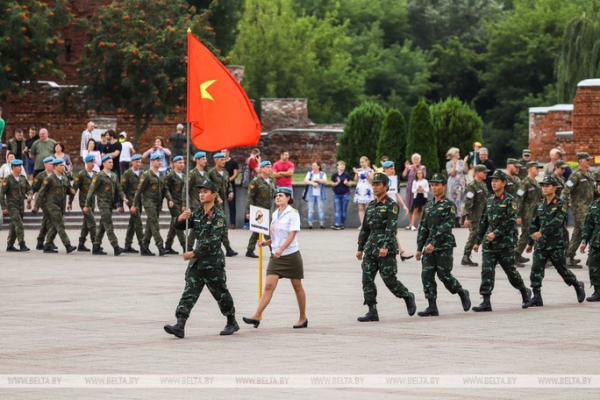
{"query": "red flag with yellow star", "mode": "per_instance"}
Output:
(217, 106)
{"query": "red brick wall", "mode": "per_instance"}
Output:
(586, 119)
(542, 132)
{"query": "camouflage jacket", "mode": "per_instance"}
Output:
(500, 218)
(53, 193)
(14, 193)
(130, 182)
(475, 196)
(379, 228)
(196, 179)
(223, 183)
(37, 181)
(260, 194)
(549, 219)
(104, 188)
(151, 191)
(561, 184)
(591, 226)
(436, 225)
(210, 228)
(512, 185)
(83, 182)
(579, 190)
(528, 197)
(176, 186)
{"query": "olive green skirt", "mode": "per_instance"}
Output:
(289, 266)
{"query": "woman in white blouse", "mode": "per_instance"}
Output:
(285, 261)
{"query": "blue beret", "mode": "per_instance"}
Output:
(219, 155)
(136, 157)
(387, 164)
(48, 159)
(57, 161)
(286, 190)
(89, 158)
(106, 158)
(177, 158)
(155, 156)
(199, 154)
(16, 163)
(265, 163)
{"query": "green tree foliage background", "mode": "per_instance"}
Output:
(421, 137)
(392, 141)
(361, 133)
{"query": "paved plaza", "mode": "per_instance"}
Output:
(104, 315)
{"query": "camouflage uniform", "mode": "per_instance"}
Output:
(53, 196)
(476, 194)
(104, 188)
(260, 194)
(591, 238)
(528, 197)
(195, 179)
(35, 188)
(208, 265)
(561, 185)
(176, 186)
(512, 185)
(130, 181)
(224, 188)
(12, 196)
(578, 194)
(151, 193)
(82, 181)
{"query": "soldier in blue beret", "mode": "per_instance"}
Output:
(82, 181)
(220, 177)
(14, 192)
(175, 182)
(130, 181)
(35, 187)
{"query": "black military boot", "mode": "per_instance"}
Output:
(431, 311)
(230, 252)
(466, 261)
(485, 305)
(146, 252)
(231, 327)
(118, 250)
(82, 247)
(22, 247)
(411, 305)
(170, 250)
(49, 249)
(97, 251)
(573, 263)
(178, 329)
(596, 295)
(525, 295)
(162, 251)
(580, 290)
(12, 249)
(465, 299)
(536, 300)
(370, 316)
(520, 259)
(70, 248)
(130, 249)
(39, 246)
(250, 253)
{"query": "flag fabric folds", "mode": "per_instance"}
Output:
(220, 113)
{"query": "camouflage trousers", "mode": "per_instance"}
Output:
(88, 227)
(134, 227)
(152, 227)
(175, 211)
(506, 259)
(44, 228)
(593, 262)
(579, 218)
(225, 239)
(215, 279)
(557, 257)
(440, 263)
(15, 232)
(522, 243)
(106, 226)
(472, 236)
(254, 239)
(387, 268)
(56, 225)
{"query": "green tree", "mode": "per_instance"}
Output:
(392, 142)
(135, 58)
(455, 125)
(223, 16)
(421, 137)
(30, 42)
(361, 133)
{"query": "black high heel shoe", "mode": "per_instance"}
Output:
(250, 321)
(302, 325)
(405, 258)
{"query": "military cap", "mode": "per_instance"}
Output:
(48, 159)
(560, 164)
(265, 163)
(177, 158)
(481, 168)
(136, 157)
(549, 180)
(210, 185)
(499, 174)
(89, 158)
(16, 163)
(199, 154)
(106, 158)
(382, 178)
(438, 178)
(284, 190)
(218, 155)
(526, 151)
(155, 156)
(583, 156)
(531, 164)
(513, 161)
(58, 161)
(387, 164)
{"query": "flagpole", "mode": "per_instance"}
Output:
(187, 183)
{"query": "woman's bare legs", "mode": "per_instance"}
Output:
(270, 286)
(301, 298)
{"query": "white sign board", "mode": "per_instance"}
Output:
(393, 189)
(259, 220)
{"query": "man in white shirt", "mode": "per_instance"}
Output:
(86, 135)
(127, 151)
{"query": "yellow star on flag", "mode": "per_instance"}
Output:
(203, 90)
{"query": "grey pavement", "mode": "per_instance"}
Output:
(82, 314)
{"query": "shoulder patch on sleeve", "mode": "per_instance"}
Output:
(570, 183)
(94, 180)
(520, 192)
(470, 195)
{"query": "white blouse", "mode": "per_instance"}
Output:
(283, 223)
(422, 183)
